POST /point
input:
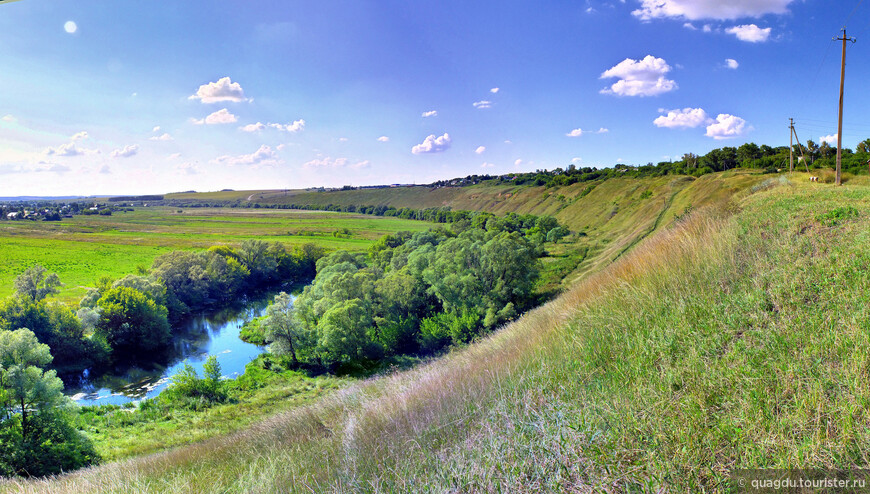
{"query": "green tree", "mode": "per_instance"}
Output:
(131, 321)
(286, 336)
(343, 332)
(35, 284)
(24, 386)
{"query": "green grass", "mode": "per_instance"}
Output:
(121, 432)
(83, 248)
(737, 338)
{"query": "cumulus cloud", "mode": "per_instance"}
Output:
(494, 90)
(126, 151)
(487, 165)
(731, 63)
(687, 118)
(156, 128)
(342, 139)
(383, 139)
(8, 118)
(432, 144)
(264, 156)
(222, 90)
(644, 77)
(70, 148)
(518, 162)
(296, 126)
(329, 162)
(709, 9)
(482, 105)
(222, 116)
(726, 126)
(430, 113)
(254, 127)
(480, 149)
(750, 33)
(80, 136)
(164, 137)
(579, 132)
(830, 139)
(174, 156)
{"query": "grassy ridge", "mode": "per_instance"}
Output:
(724, 341)
(83, 248)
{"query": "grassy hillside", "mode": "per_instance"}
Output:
(735, 338)
(610, 216)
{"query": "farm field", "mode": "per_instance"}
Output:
(82, 248)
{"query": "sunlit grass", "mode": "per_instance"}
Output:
(733, 339)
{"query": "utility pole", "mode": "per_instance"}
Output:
(840, 119)
(790, 145)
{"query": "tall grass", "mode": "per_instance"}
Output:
(721, 342)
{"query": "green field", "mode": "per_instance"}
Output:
(83, 248)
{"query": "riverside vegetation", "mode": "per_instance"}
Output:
(736, 338)
(399, 298)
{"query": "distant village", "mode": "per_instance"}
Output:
(56, 211)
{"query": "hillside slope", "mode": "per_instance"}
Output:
(609, 216)
(736, 338)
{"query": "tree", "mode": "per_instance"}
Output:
(343, 332)
(34, 284)
(284, 332)
(23, 384)
(131, 321)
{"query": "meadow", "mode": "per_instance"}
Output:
(83, 248)
(734, 338)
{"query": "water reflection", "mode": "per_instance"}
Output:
(214, 333)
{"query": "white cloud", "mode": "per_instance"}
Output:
(727, 126)
(164, 137)
(68, 149)
(384, 139)
(709, 9)
(731, 63)
(328, 162)
(494, 90)
(487, 165)
(296, 126)
(264, 156)
(707, 28)
(432, 144)
(644, 77)
(8, 118)
(687, 118)
(126, 151)
(482, 105)
(342, 139)
(830, 139)
(518, 162)
(222, 116)
(222, 90)
(576, 159)
(174, 156)
(750, 33)
(690, 26)
(579, 132)
(45, 166)
(480, 149)
(508, 141)
(430, 113)
(156, 128)
(70, 27)
(253, 127)
(80, 136)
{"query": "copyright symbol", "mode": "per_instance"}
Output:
(741, 482)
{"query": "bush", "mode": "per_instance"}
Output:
(52, 446)
(189, 390)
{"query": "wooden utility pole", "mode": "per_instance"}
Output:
(840, 119)
(790, 145)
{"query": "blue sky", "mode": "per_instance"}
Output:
(123, 97)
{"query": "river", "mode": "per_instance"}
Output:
(213, 333)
